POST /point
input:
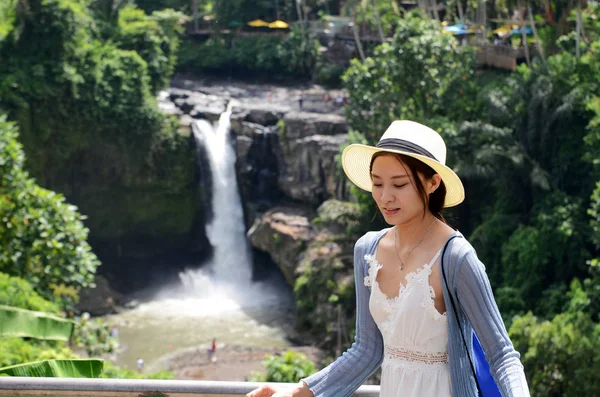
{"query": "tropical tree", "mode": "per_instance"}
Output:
(421, 74)
(43, 237)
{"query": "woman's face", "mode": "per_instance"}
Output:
(394, 190)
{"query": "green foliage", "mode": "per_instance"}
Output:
(15, 351)
(592, 138)
(329, 74)
(232, 13)
(340, 216)
(592, 284)
(211, 55)
(532, 234)
(43, 237)
(89, 121)
(326, 284)
(81, 368)
(287, 368)
(549, 251)
(257, 54)
(421, 73)
(94, 336)
(594, 213)
(114, 372)
(553, 351)
(149, 6)
(17, 322)
(154, 38)
(111, 84)
(295, 55)
(389, 14)
(17, 292)
(496, 227)
(299, 52)
(7, 17)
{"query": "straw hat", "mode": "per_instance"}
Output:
(411, 139)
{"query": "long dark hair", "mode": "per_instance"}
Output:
(433, 201)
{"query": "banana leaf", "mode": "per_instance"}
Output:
(16, 322)
(89, 368)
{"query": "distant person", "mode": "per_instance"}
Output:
(140, 365)
(212, 351)
(300, 102)
(421, 290)
(498, 40)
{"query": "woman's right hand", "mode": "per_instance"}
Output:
(263, 391)
(301, 390)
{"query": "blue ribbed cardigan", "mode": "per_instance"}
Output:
(477, 311)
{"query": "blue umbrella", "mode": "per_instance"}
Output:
(457, 29)
(518, 31)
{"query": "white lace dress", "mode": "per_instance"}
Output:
(415, 336)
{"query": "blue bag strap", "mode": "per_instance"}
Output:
(462, 334)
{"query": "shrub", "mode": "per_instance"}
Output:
(287, 368)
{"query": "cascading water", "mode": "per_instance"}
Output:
(217, 299)
(232, 263)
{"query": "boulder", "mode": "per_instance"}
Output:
(247, 128)
(283, 232)
(100, 300)
(265, 114)
(199, 105)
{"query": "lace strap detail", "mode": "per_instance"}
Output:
(374, 266)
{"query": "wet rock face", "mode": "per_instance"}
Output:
(302, 124)
(309, 169)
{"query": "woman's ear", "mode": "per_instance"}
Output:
(434, 183)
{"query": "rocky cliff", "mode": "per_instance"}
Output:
(292, 191)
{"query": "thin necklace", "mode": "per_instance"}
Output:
(411, 250)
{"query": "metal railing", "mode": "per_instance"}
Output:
(58, 387)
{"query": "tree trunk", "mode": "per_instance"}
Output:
(424, 5)
(433, 5)
(378, 19)
(195, 13)
(356, 34)
(299, 11)
(461, 15)
(535, 35)
(578, 30)
(524, 36)
(300, 17)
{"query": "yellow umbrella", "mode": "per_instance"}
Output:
(257, 23)
(278, 25)
(505, 29)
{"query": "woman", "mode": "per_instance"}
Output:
(404, 321)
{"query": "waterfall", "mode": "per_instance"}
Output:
(231, 263)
